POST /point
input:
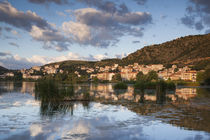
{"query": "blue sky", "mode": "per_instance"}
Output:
(36, 32)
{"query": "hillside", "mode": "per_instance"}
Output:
(71, 65)
(189, 50)
(3, 70)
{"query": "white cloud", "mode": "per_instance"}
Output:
(100, 57)
(18, 62)
(52, 39)
(122, 55)
(60, 13)
(102, 29)
(80, 32)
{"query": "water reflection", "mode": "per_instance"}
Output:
(22, 87)
(130, 114)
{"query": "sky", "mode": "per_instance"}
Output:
(37, 32)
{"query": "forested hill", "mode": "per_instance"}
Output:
(3, 70)
(189, 50)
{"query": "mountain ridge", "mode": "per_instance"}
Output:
(189, 50)
(178, 51)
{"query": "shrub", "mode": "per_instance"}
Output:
(171, 85)
(120, 85)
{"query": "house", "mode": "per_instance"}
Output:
(28, 76)
(56, 66)
(126, 69)
(189, 75)
(37, 68)
(9, 74)
(126, 76)
(175, 76)
(105, 76)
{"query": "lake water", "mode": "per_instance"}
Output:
(183, 115)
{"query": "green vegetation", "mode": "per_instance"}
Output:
(189, 50)
(120, 85)
(86, 96)
(95, 80)
(186, 83)
(48, 90)
(3, 70)
(204, 77)
(17, 76)
(152, 75)
(70, 78)
(117, 78)
(151, 81)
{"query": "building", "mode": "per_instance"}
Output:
(9, 74)
(28, 76)
(189, 75)
(105, 76)
(37, 68)
(56, 66)
(175, 76)
(127, 76)
(126, 70)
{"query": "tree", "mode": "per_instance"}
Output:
(200, 77)
(207, 77)
(95, 79)
(117, 77)
(60, 77)
(152, 75)
(140, 76)
(204, 77)
(72, 78)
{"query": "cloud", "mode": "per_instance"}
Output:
(97, 57)
(188, 21)
(122, 55)
(106, 6)
(2, 54)
(39, 29)
(93, 17)
(207, 31)
(52, 39)
(49, 1)
(60, 13)
(140, 2)
(17, 62)
(135, 41)
(163, 16)
(80, 32)
(197, 14)
(19, 19)
(199, 26)
(102, 29)
(14, 44)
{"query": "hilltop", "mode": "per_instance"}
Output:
(189, 50)
(3, 70)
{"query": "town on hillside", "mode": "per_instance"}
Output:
(106, 73)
